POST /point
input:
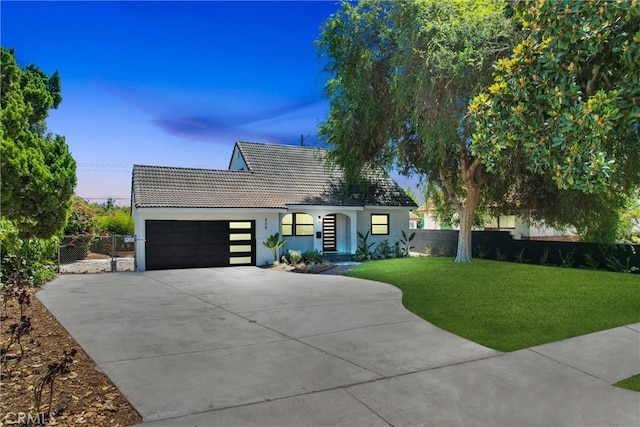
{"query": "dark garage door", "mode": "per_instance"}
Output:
(193, 244)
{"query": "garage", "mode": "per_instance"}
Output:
(172, 244)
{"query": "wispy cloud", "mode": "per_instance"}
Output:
(282, 124)
(225, 116)
(290, 125)
(195, 128)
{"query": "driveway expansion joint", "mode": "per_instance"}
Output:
(333, 304)
(267, 400)
(569, 366)
(181, 353)
(369, 408)
(337, 331)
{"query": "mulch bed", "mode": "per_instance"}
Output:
(300, 268)
(331, 269)
(83, 396)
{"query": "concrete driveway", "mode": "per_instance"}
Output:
(246, 346)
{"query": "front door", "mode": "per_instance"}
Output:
(329, 231)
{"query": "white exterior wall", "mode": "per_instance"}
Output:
(398, 222)
(297, 243)
(343, 240)
(237, 162)
(346, 221)
(431, 223)
(520, 228)
(267, 223)
(542, 230)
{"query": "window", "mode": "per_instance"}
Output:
(298, 224)
(240, 225)
(239, 236)
(380, 224)
(507, 221)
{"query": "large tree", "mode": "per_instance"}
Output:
(568, 101)
(38, 172)
(402, 74)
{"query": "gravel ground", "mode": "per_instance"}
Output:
(97, 266)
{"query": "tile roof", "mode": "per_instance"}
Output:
(278, 175)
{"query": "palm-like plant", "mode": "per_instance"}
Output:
(275, 244)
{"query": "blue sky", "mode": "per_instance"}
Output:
(172, 83)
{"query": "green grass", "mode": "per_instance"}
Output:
(632, 383)
(508, 306)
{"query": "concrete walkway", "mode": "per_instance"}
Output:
(246, 346)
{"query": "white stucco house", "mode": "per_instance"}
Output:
(186, 218)
(520, 227)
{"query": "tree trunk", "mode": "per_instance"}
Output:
(464, 253)
(473, 181)
(472, 178)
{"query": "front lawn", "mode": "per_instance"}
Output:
(632, 383)
(508, 306)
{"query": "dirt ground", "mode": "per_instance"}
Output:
(83, 396)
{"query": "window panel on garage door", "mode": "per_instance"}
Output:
(241, 243)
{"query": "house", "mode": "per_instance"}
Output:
(188, 218)
(521, 227)
(414, 221)
(429, 220)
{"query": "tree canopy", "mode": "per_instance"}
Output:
(568, 97)
(402, 74)
(552, 126)
(38, 172)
